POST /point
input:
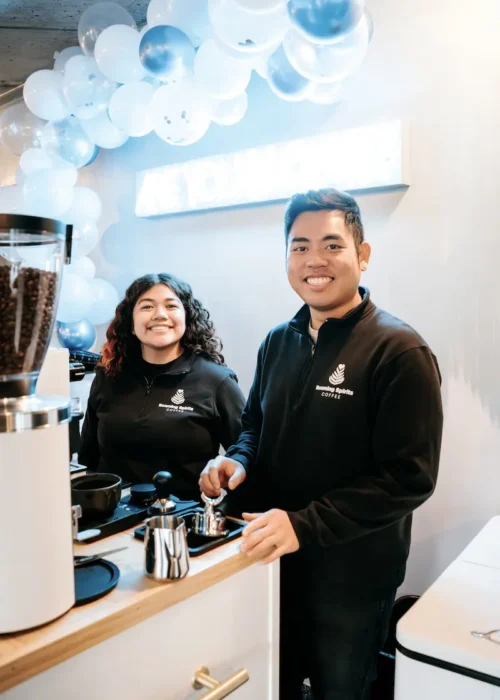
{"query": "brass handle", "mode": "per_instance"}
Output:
(217, 690)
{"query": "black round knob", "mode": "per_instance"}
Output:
(161, 480)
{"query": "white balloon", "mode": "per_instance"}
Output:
(325, 93)
(62, 57)
(19, 128)
(229, 112)
(247, 31)
(261, 6)
(85, 239)
(12, 200)
(130, 108)
(86, 206)
(97, 18)
(181, 113)
(83, 267)
(47, 194)
(117, 54)
(190, 16)
(43, 94)
(103, 133)
(75, 298)
(86, 89)
(20, 177)
(222, 76)
(328, 63)
(34, 159)
(67, 172)
(104, 301)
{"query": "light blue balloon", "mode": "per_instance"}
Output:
(76, 336)
(325, 21)
(165, 51)
(283, 79)
(93, 156)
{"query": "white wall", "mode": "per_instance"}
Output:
(436, 246)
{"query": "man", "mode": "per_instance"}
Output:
(340, 444)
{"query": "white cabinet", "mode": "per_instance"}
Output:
(230, 625)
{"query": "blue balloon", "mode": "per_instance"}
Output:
(93, 156)
(283, 79)
(165, 51)
(76, 336)
(325, 21)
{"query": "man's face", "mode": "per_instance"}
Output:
(323, 264)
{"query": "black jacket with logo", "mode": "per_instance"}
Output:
(137, 425)
(346, 439)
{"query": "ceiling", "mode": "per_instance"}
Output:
(32, 30)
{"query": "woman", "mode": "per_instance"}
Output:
(162, 398)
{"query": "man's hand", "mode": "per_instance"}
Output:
(221, 473)
(268, 536)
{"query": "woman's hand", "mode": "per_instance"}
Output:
(221, 473)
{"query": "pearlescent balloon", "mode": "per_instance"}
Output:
(325, 93)
(325, 21)
(34, 159)
(130, 108)
(117, 54)
(44, 96)
(79, 335)
(86, 89)
(96, 19)
(261, 6)
(284, 80)
(46, 194)
(75, 298)
(67, 140)
(104, 301)
(229, 112)
(62, 57)
(85, 238)
(86, 206)
(247, 31)
(190, 16)
(223, 77)
(328, 63)
(84, 267)
(103, 133)
(181, 113)
(166, 51)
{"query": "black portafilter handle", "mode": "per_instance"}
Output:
(161, 481)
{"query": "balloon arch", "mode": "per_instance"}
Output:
(188, 67)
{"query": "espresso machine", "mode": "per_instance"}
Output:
(37, 575)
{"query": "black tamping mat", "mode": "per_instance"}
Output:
(95, 580)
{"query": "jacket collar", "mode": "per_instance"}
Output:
(300, 322)
(181, 365)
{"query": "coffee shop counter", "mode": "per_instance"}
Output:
(145, 640)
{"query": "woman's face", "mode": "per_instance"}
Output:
(159, 319)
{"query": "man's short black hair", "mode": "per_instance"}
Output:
(328, 198)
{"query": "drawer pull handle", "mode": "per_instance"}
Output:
(218, 690)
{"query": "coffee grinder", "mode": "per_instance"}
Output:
(36, 549)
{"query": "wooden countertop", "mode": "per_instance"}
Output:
(135, 598)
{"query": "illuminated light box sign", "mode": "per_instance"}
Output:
(365, 158)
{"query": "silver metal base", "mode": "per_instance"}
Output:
(33, 412)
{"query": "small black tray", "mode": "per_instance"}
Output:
(95, 580)
(126, 515)
(197, 544)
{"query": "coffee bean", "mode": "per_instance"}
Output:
(27, 309)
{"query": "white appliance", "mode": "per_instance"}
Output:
(36, 549)
(438, 657)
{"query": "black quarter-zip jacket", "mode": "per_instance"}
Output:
(345, 437)
(174, 420)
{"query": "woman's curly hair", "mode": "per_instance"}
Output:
(123, 345)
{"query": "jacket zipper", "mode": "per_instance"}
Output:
(149, 386)
(304, 377)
